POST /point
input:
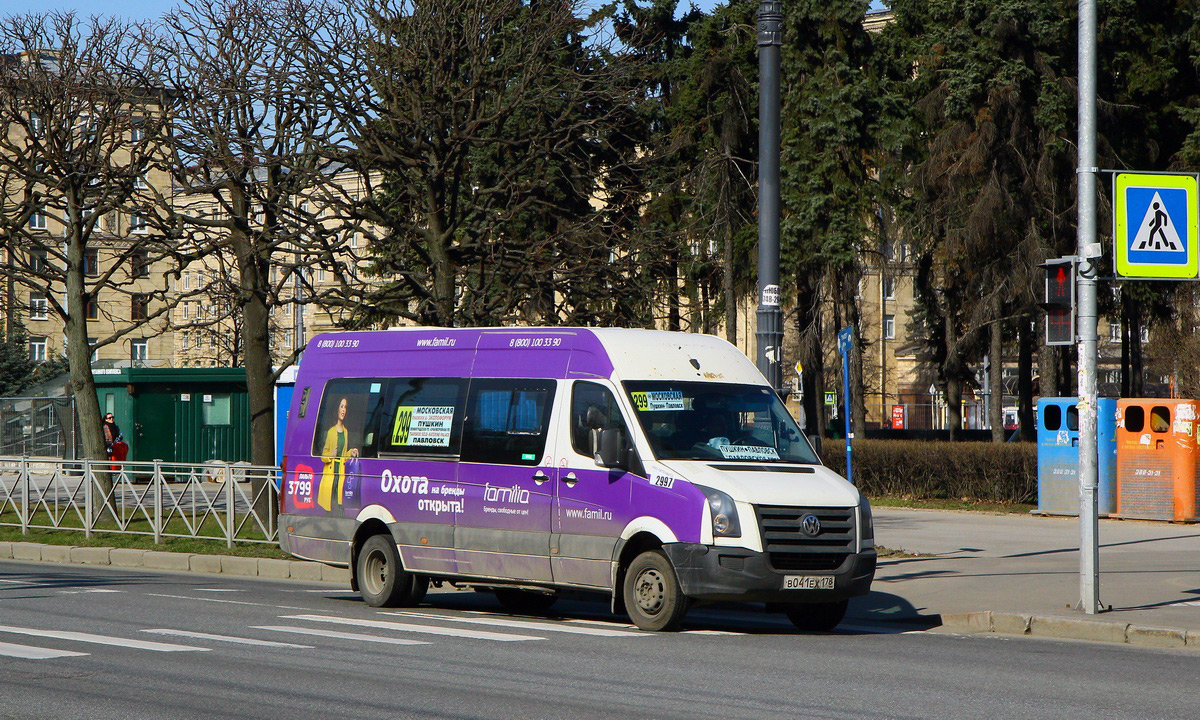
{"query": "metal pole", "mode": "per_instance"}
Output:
(89, 503)
(24, 495)
(846, 405)
(769, 338)
(229, 518)
(1087, 248)
(158, 491)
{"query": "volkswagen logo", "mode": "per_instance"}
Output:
(811, 525)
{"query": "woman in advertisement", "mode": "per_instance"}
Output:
(335, 453)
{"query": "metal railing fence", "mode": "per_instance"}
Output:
(215, 501)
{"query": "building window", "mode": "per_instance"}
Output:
(889, 288)
(137, 223)
(93, 310)
(1114, 332)
(37, 261)
(35, 124)
(95, 353)
(139, 182)
(139, 265)
(139, 308)
(216, 409)
(139, 350)
(37, 349)
(184, 340)
(37, 221)
(889, 327)
(137, 133)
(184, 311)
(91, 263)
(39, 307)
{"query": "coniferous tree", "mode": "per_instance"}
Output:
(831, 115)
(987, 185)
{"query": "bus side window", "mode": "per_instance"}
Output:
(507, 421)
(593, 408)
(348, 418)
(422, 416)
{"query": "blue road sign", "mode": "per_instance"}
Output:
(1156, 225)
(845, 339)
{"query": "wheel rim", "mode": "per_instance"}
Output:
(650, 591)
(375, 572)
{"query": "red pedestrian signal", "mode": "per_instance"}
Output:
(1060, 301)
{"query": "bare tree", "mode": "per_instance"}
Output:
(486, 133)
(81, 130)
(246, 165)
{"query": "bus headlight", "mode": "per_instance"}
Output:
(723, 512)
(867, 532)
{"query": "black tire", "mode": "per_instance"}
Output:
(525, 601)
(653, 598)
(817, 617)
(382, 579)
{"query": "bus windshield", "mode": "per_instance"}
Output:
(715, 421)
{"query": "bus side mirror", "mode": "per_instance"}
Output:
(612, 451)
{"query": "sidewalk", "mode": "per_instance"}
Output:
(1020, 574)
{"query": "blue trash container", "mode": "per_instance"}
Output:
(1058, 456)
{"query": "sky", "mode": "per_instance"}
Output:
(146, 9)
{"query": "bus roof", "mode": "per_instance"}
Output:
(547, 352)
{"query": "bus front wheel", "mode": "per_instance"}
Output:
(652, 594)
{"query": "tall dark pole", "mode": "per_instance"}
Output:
(770, 318)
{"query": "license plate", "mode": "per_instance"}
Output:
(807, 582)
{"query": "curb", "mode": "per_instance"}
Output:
(266, 568)
(1067, 628)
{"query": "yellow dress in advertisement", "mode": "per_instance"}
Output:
(334, 475)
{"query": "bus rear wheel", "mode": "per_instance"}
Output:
(382, 579)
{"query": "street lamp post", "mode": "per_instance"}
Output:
(769, 336)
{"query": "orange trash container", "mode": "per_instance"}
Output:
(1156, 459)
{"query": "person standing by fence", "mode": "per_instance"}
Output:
(114, 443)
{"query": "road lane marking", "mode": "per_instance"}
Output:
(598, 623)
(525, 625)
(216, 590)
(223, 638)
(409, 627)
(27, 652)
(101, 639)
(227, 602)
(340, 635)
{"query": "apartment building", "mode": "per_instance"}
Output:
(42, 214)
(208, 327)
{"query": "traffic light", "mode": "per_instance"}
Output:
(1060, 301)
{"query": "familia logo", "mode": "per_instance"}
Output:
(515, 494)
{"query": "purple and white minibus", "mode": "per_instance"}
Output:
(655, 467)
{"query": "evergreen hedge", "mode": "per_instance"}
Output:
(968, 471)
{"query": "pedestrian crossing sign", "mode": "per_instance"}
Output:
(1156, 225)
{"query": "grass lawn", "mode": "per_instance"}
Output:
(948, 504)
